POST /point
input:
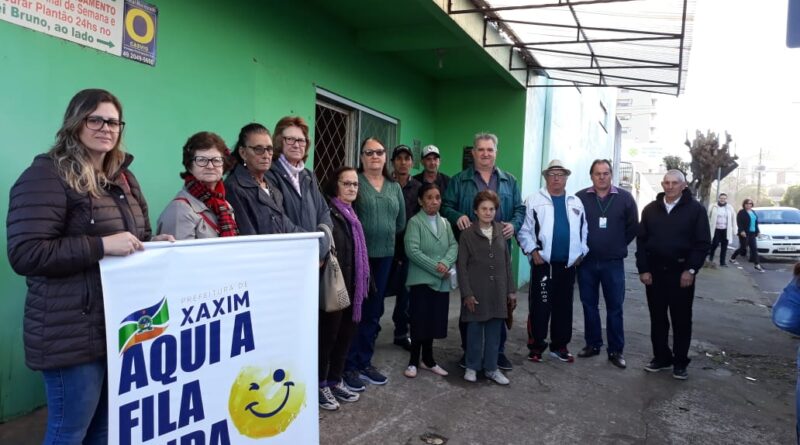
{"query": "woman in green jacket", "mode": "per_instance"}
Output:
(432, 251)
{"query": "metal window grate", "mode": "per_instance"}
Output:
(330, 146)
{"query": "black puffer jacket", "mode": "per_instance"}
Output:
(55, 241)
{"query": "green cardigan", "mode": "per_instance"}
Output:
(382, 215)
(425, 250)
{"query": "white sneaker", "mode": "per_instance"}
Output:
(326, 400)
(497, 376)
(470, 375)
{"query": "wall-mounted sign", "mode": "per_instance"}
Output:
(123, 28)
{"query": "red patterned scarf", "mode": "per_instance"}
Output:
(215, 201)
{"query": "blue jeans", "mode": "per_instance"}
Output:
(363, 346)
(77, 404)
(610, 275)
(483, 344)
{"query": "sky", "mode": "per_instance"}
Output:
(742, 79)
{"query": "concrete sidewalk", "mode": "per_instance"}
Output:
(740, 387)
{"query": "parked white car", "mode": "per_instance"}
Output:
(780, 232)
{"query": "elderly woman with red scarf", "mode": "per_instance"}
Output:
(200, 209)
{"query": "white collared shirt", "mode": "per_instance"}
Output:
(671, 206)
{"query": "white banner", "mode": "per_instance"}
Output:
(214, 341)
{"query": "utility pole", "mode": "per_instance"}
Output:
(759, 169)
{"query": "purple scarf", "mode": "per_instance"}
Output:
(361, 258)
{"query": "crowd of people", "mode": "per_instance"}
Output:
(418, 238)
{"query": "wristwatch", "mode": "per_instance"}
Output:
(692, 271)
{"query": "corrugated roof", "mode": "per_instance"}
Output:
(635, 44)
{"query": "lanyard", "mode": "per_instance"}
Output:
(603, 210)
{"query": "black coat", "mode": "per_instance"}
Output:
(256, 212)
(345, 249)
(55, 241)
(743, 223)
(680, 238)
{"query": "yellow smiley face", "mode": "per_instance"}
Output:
(263, 403)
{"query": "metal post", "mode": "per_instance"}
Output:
(719, 180)
(759, 168)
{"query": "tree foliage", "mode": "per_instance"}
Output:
(751, 192)
(676, 163)
(792, 197)
(708, 156)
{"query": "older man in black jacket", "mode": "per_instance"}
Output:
(672, 243)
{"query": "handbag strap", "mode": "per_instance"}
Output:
(327, 231)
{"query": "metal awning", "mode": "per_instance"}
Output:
(635, 44)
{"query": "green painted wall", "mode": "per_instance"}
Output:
(218, 67)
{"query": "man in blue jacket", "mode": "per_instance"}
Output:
(461, 191)
(612, 218)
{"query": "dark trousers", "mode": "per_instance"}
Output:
(426, 346)
(363, 346)
(668, 301)
(550, 303)
(398, 277)
(745, 242)
(610, 275)
(720, 239)
(336, 331)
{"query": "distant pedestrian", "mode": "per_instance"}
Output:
(722, 225)
(747, 229)
(613, 219)
(487, 288)
(431, 249)
(671, 247)
(554, 239)
(786, 315)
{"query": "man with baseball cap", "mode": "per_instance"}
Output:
(430, 173)
(553, 236)
(402, 162)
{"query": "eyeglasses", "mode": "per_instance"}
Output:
(259, 150)
(203, 161)
(370, 153)
(288, 140)
(349, 184)
(556, 174)
(96, 123)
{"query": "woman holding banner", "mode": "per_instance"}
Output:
(302, 199)
(69, 209)
(432, 251)
(200, 209)
(381, 209)
(257, 204)
(336, 329)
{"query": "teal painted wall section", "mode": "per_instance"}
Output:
(218, 68)
(465, 108)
